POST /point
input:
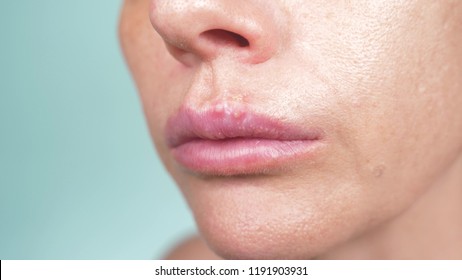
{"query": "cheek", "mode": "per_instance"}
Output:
(409, 125)
(394, 84)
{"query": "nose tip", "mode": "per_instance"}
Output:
(207, 29)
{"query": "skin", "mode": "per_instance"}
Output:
(383, 79)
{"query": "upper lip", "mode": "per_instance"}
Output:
(222, 123)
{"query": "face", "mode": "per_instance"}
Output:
(292, 127)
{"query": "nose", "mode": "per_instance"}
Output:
(202, 30)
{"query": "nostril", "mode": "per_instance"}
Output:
(224, 37)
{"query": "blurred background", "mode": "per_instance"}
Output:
(79, 178)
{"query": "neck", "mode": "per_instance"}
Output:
(430, 229)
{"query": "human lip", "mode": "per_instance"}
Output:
(236, 141)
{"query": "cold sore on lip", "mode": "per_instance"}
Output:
(236, 142)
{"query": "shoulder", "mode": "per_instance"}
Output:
(192, 248)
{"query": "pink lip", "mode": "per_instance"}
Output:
(233, 141)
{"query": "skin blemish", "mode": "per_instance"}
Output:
(378, 170)
(219, 108)
(237, 114)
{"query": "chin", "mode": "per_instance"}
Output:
(250, 222)
(240, 240)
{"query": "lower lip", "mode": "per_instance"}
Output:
(241, 156)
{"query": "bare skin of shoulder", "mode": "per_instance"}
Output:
(192, 248)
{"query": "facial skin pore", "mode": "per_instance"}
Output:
(381, 79)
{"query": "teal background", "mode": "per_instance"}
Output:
(79, 178)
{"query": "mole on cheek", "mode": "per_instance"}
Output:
(378, 170)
